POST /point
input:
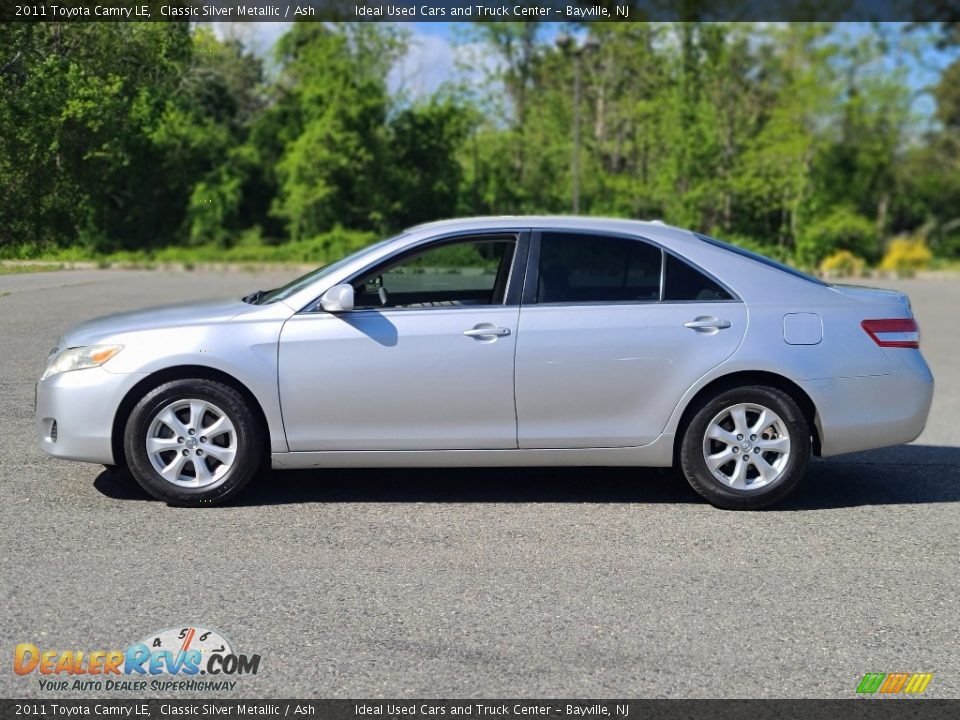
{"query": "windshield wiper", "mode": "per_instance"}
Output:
(254, 297)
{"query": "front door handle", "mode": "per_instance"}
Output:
(486, 330)
(707, 323)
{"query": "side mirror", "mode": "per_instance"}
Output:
(338, 298)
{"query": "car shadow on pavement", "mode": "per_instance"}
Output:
(908, 474)
(901, 475)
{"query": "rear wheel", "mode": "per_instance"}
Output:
(746, 448)
(193, 442)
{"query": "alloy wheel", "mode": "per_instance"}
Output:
(747, 446)
(192, 443)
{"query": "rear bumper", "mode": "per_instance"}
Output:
(83, 403)
(864, 413)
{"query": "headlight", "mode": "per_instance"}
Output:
(80, 358)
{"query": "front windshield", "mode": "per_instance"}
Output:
(300, 283)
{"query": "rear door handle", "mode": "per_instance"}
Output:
(707, 323)
(486, 330)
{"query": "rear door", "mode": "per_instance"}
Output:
(613, 331)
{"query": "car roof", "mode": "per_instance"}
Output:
(572, 222)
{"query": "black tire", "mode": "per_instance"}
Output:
(247, 443)
(792, 467)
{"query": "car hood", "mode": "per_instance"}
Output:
(181, 315)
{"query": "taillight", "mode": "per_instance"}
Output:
(898, 333)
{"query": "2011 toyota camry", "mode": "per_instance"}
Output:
(499, 342)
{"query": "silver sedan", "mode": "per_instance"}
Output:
(499, 342)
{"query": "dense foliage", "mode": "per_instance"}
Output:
(803, 140)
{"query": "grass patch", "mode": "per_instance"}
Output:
(253, 252)
(945, 264)
(19, 269)
(250, 248)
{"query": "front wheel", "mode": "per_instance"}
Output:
(746, 448)
(193, 442)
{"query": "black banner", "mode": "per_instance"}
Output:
(854, 709)
(478, 10)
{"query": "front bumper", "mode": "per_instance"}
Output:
(865, 413)
(83, 403)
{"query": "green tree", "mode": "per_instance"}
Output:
(120, 135)
(841, 229)
(79, 104)
(423, 172)
(334, 95)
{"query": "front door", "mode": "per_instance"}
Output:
(424, 362)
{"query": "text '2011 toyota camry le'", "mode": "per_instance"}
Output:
(512, 341)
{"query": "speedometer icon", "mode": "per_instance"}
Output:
(190, 637)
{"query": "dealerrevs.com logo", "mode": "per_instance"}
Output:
(167, 660)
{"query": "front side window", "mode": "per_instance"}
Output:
(597, 268)
(451, 274)
(295, 286)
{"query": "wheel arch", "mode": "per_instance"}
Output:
(746, 378)
(179, 372)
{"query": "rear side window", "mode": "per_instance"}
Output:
(597, 268)
(683, 282)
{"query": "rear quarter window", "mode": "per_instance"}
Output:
(683, 282)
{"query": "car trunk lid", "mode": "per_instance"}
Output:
(892, 300)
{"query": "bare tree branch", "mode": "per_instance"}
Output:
(15, 58)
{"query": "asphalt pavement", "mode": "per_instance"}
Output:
(483, 583)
